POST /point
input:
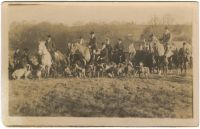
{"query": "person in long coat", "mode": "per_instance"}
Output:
(25, 57)
(166, 39)
(17, 58)
(119, 49)
(109, 47)
(50, 46)
(104, 54)
(184, 57)
(93, 46)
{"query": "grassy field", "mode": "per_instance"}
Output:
(159, 96)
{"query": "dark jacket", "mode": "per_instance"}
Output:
(50, 46)
(25, 57)
(104, 55)
(183, 52)
(17, 55)
(119, 47)
(92, 43)
(109, 47)
(166, 38)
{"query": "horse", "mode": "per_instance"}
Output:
(118, 57)
(82, 51)
(160, 57)
(59, 61)
(46, 59)
(147, 57)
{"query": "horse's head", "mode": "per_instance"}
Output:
(74, 48)
(41, 47)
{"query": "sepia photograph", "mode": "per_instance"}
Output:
(100, 63)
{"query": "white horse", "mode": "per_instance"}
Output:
(83, 50)
(46, 59)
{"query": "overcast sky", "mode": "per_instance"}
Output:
(70, 13)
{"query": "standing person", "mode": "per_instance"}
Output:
(184, 52)
(119, 49)
(104, 54)
(93, 46)
(189, 46)
(68, 52)
(25, 56)
(109, 47)
(17, 57)
(50, 46)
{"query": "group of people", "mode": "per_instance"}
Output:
(106, 53)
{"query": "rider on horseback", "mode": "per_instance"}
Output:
(50, 47)
(166, 37)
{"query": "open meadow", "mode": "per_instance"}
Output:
(157, 97)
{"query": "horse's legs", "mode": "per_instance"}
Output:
(185, 67)
(181, 67)
(48, 71)
(84, 62)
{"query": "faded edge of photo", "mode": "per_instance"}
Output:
(94, 121)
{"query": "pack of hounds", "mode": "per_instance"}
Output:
(91, 71)
(83, 61)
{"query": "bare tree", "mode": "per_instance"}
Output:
(167, 20)
(154, 21)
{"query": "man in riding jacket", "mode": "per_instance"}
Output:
(119, 49)
(166, 37)
(17, 57)
(25, 56)
(184, 51)
(109, 47)
(184, 56)
(104, 54)
(93, 46)
(50, 46)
